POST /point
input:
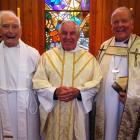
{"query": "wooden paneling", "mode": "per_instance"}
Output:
(32, 20)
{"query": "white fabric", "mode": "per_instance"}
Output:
(58, 66)
(46, 98)
(113, 107)
(19, 64)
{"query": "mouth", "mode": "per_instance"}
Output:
(120, 30)
(10, 36)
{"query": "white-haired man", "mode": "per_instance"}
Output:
(67, 79)
(120, 62)
(19, 118)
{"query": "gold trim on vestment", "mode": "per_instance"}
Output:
(60, 58)
(115, 50)
(73, 70)
(79, 57)
(59, 109)
(82, 68)
(53, 66)
(69, 119)
(63, 62)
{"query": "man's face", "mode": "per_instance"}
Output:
(11, 30)
(69, 36)
(122, 25)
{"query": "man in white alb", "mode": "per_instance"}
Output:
(19, 118)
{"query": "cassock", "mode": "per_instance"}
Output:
(19, 117)
(78, 68)
(115, 120)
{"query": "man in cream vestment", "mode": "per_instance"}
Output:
(116, 119)
(67, 80)
(19, 118)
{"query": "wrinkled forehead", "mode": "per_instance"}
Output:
(8, 19)
(120, 14)
(69, 26)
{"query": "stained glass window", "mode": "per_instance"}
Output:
(58, 10)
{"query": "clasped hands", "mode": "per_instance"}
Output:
(66, 94)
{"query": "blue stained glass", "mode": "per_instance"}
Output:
(76, 20)
(75, 10)
(52, 1)
(56, 4)
(58, 26)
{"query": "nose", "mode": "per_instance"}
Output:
(10, 28)
(120, 23)
(68, 35)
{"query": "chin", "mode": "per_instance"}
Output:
(11, 44)
(121, 37)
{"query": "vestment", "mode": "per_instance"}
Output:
(18, 103)
(109, 115)
(77, 68)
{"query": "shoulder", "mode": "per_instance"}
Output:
(87, 53)
(32, 52)
(135, 42)
(50, 52)
(107, 42)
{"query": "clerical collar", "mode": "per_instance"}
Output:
(122, 43)
(74, 50)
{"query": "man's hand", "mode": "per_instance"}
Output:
(66, 93)
(122, 97)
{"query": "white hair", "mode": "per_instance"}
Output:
(67, 21)
(4, 13)
(122, 9)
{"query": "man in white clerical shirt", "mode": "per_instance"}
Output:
(19, 117)
(67, 79)
(120, 63)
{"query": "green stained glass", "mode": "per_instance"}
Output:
(58, 10)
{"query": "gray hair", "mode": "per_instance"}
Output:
(9, 13)
(67, 21)
(122, 9)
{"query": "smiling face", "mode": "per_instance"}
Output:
(122, 24)
(69, 35)
(10, 29)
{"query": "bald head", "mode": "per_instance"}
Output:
(122, 23)
(7, 13)
(120, 10)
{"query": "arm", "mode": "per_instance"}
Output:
(90, 88)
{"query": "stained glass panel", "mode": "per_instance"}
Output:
(58, 10)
